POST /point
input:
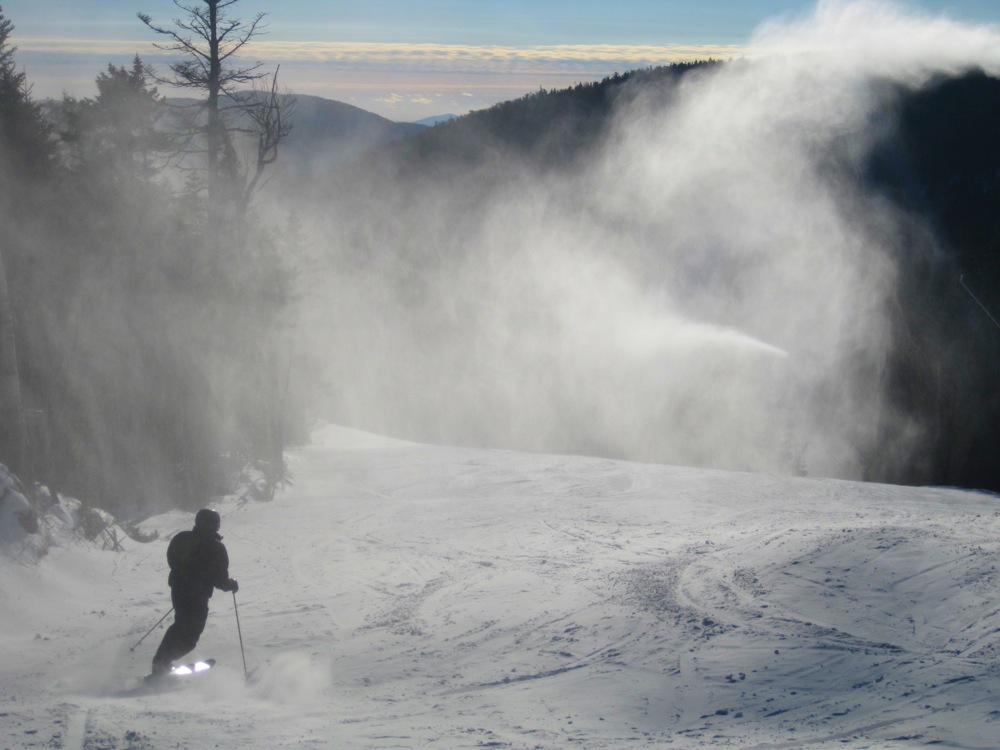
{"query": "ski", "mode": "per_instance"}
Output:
(184, 670)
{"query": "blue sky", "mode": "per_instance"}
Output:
(407, 59)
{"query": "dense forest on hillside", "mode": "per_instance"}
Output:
(140, 320)
(550, 127)
(942, 164)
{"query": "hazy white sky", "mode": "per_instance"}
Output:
(408, 60)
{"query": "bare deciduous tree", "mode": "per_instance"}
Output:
(210, 43)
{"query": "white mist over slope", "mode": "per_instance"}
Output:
(403, 596)
(615, 310)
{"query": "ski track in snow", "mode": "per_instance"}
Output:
(402, 596)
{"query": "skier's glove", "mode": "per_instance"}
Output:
(231, 585)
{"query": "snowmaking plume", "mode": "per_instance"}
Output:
(710, 289)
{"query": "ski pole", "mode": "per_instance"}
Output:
(242, 652)
(151, 630)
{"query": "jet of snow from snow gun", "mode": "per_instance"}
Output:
(961, 280)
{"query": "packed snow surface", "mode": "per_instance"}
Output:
(403, 596)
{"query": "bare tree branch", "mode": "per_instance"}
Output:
(209, 42)
(271, 116)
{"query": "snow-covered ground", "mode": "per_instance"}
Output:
(405, 596)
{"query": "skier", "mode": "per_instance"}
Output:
(199, 564)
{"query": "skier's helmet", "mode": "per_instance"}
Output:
(207, 519)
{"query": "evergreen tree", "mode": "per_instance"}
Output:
(119, 133)
(24, 150)
(24, 132)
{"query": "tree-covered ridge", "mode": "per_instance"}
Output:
(548, 126)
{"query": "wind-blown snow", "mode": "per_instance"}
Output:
(403, 595)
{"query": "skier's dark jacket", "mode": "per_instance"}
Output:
(198, 563)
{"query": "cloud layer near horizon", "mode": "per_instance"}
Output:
(376, 71)
(429, 57)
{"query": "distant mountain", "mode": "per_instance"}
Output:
(328, 134)
(429, 121)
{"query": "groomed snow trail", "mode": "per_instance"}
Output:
(402, 596)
